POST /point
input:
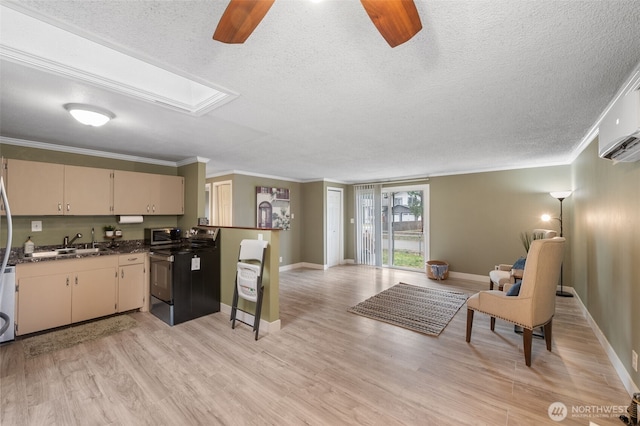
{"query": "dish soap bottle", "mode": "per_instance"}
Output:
(28, 246)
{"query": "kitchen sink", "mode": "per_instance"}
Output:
(92, 250)
(65, 252)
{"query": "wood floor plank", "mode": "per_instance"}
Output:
(325, 366)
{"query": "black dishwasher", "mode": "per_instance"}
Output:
(185, 278)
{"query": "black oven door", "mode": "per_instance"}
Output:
(161, 266)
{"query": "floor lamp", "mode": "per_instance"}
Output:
(560, 195)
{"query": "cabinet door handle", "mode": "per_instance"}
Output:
(68, 207)
(76, 280)
(147, 208)
(59, 207)
(154, 208)
(67, 281)
(131, 259)
(122, 274)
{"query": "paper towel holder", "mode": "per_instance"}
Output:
(130, 219)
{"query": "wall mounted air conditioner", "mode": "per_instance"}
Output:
(619, 135)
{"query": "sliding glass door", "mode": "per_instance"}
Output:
(392, 226)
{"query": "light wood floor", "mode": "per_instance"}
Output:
(325, 367)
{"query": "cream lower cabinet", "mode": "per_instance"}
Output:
(132, 274)
(93, 294)
(56, 293)
(43, 302)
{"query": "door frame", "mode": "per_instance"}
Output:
(215, 220)
(404, 187)
(340, 227)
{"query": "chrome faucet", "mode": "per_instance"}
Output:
(66, 243)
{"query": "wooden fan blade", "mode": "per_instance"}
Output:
(396, 20)
(240, 19)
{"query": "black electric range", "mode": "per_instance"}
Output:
(185, 277)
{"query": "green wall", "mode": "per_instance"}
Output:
(606, 248)
(194, 183)
(305, 241)
(476, 219)
(314, 222)
(244, 210)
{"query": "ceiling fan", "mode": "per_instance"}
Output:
(396, 20)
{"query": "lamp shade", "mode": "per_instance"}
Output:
(89, 115)
(560, 195)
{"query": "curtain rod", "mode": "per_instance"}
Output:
(393, 181)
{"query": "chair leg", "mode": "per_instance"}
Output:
(493, 323)
(234, 306)
(547, 334)
(256, 320)
(527, 337)
(469, 323)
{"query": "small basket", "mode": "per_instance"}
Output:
(435, 276)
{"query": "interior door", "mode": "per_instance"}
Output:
(222, 207)
(334, 227)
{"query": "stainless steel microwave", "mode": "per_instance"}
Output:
(155, 236)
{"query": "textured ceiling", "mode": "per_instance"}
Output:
(485, 85)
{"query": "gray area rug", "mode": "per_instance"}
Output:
(425, 310)
(65, 338)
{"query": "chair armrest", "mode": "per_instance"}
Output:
(516, 274)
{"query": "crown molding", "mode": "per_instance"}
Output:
(84, 151)
(192, 160)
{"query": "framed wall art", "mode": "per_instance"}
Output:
(273, 208)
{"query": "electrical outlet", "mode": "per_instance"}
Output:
(634, 360)
(36, 225)
(280, 259)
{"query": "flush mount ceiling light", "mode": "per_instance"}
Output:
(89, 115)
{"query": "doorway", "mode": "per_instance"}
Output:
(392, 226)
(221, 200)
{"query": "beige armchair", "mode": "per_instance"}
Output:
(505, 273)
(535, 305)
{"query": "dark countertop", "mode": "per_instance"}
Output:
(122, 247)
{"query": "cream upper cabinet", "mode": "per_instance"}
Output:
(45, 189)
(35, 188)
(168, 195)
(147, 194)
(130, 192)
(87, 191)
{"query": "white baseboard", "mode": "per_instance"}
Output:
(470, 277)
(624, 375)
(265, 326)
(302, 265)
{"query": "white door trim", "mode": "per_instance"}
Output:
(340, 228)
